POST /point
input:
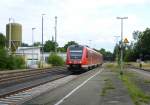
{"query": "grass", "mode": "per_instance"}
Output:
(145, 65)
(147, 81)
(112, 66)
(137, 95)
(107, 86)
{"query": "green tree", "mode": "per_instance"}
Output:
(145, 41)
(50, 46)
(130, 55)
(24, 45)
(136, 35)
(2, 40)
(36, 44)
(61, 49)
(102, 51)
(107, 55)
(142, 46)
(69, 44)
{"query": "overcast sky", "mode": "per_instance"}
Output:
(78, 20)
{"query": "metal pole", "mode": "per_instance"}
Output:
(121, 58)
(32, 43)
(9, 36)
(42, 40)
(55, 34)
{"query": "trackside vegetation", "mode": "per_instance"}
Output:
(137, 49)
(138, 96)
(55, 60)
(10, 62)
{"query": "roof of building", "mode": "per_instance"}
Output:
(27, 48)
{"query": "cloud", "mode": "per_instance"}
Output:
(79, 20)
(90, 4)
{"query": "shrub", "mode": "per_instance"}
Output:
(10, 61)
(15, 62)
(3, 58)
(11, 64)
(55, 60)
(20, 62)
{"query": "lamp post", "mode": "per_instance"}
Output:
(9, 45)
(55, 34)
(32, 42)
(42, 39)
(121, 58)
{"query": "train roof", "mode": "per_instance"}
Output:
(79, 46)
(93, 50)
(85, 46)
(75, 46)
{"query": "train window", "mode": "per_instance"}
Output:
(76, 48)
(76, 52)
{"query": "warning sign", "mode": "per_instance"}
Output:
(126, 40)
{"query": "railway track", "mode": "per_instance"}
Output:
(144, 72)
(133, 67)
(10, 77)
(15, 82)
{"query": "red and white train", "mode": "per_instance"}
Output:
(79, 56)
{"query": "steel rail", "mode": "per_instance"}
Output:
(27, 72)
(57, 73)
(20, 77)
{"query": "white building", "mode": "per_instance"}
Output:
(33, 55)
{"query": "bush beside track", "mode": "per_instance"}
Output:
(10, 62)
(13, 62)
(55, 60)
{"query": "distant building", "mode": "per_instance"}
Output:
(33, 55)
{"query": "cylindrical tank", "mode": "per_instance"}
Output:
(15, 31)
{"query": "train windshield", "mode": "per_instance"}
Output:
(76, 52)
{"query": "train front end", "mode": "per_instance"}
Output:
(75, 57)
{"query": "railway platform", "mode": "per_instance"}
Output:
(96, 87)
